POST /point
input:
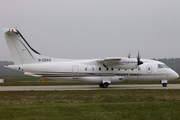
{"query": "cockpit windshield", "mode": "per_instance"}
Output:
(162, 66)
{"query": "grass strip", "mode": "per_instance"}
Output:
(93, 96)
(90, 105)
(92, 111)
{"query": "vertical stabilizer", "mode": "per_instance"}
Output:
(21, 51)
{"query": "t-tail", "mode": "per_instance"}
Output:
(21, 51)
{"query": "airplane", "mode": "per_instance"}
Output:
(102, 71)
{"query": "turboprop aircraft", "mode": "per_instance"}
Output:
(102, 71)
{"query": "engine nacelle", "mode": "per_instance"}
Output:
(128, 66)
(125, 66)
(119, 63)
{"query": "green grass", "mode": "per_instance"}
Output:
(90, 105)
(34, 81)
(99, 111)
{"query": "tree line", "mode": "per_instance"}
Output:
(173, 63)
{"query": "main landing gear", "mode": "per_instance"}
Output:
(104, 85)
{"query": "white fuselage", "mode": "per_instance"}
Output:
(94, 72)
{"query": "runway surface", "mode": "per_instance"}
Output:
(86, 87)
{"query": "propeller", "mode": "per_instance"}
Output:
(139, 62)
(129, 55)
(138, 59)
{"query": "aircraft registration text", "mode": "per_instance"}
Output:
(44, 60)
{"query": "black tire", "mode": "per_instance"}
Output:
(105, 85)
(101, 85)
(164, 84)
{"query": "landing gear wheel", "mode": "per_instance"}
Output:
(101, 85)
(164, 84)
(105, 85)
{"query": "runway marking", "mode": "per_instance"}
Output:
(86, 87)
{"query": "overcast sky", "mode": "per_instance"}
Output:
(94, 28)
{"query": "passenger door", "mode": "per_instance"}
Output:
(75, 72)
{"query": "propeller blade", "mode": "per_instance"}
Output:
(139, 62)
(129, 56)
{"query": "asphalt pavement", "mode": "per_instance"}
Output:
(86, 87)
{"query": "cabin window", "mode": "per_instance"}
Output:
(85, 68)
(119, 69)
(107, 69)
(92, 68)
(160, 66)
(99, 68)
(112, 69)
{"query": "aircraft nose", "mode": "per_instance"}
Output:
(175, 75)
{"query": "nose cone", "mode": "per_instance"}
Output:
(174, 75)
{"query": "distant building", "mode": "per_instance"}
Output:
(8, 72)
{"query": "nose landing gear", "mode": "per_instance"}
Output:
(164, 83)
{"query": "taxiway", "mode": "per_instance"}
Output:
(86, 87)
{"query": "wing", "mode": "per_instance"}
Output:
(119, 62)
